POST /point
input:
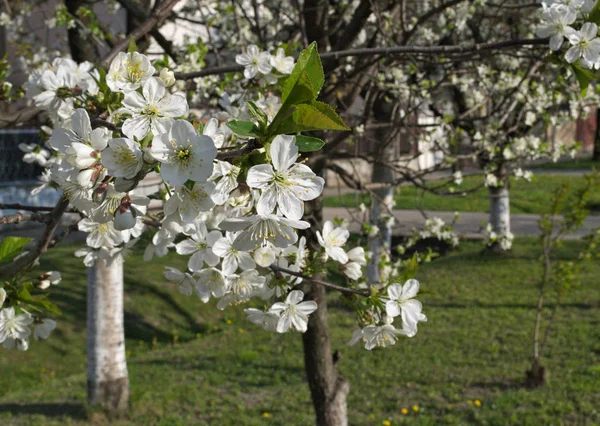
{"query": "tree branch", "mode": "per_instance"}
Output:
(156, 18)
(341, 289)
(29, 258)
(21, 116)
(385, 51)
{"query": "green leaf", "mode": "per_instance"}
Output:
(12, 246)
(258, 114)
(132, 45)
(584, 77)
(314, 116)
(594, 15)
(308, 144)
(307, 74)
(244, 128)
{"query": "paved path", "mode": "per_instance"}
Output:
(467, 226)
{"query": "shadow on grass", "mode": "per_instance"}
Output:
(75, 411)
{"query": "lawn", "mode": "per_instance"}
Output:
(192, 364)
(585, 163)
(525, 197)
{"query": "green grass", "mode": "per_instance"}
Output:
(525, 197)
(221, 370)
(576, 164)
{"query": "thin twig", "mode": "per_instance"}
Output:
(341, 289)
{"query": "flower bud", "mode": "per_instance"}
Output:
(48, 279)
(167, 76)
(264, 256)
(85, 178)
(99, 194)
(124, 219)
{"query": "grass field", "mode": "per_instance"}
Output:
(191, 364)
(525, 197)
(585, 163)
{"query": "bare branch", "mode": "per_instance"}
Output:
(386, 51)
(29, 258)
(21, 116)
(336, 287)
(155, 19)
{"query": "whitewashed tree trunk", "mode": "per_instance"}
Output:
(500, 209)
(381, 242)
(108, 381)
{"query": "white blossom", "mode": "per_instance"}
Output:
(332, 241)
(184, 154)
(152, 111)
(286, 184)
(293, 312)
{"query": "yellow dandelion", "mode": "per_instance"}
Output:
(240, 330)
(229, 322)
(266, 415)
(470, 401)
(372, 416)
(415, 408)
(386, 423)
(478, 403)
(404, 411)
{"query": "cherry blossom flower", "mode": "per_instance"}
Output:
(232, 258)
(153, 110)
(584, 44)
(128, 72)
(189, 202)
(267, 320)
(255, 61)
(332, 241)
(556, 25)
(200, 247)
(293, 312)
(258, 230)
(100, 234)
(241, 288)
(13, 326)
(184, 154)
(402, 303)
(185, 282)
(286, 184)
(42, 329)
(283, 64)
(122, 158)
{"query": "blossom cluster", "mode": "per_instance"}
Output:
(237, 222)
(16, 324)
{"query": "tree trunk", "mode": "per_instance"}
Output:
(596, 154)
(327, 387)
(500, 209)
(108, 382)
(382, 242)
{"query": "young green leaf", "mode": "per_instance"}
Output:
(314, 116)
(258, 114)
(308, 144)
(244, 128)
(584, 77)
(12, 246)
(132, 45)
(309, 70)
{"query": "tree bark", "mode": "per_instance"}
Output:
(596, 153)
(108, 381)
(327, 387)
(82, 47)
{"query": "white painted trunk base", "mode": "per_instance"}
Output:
(108, 381)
